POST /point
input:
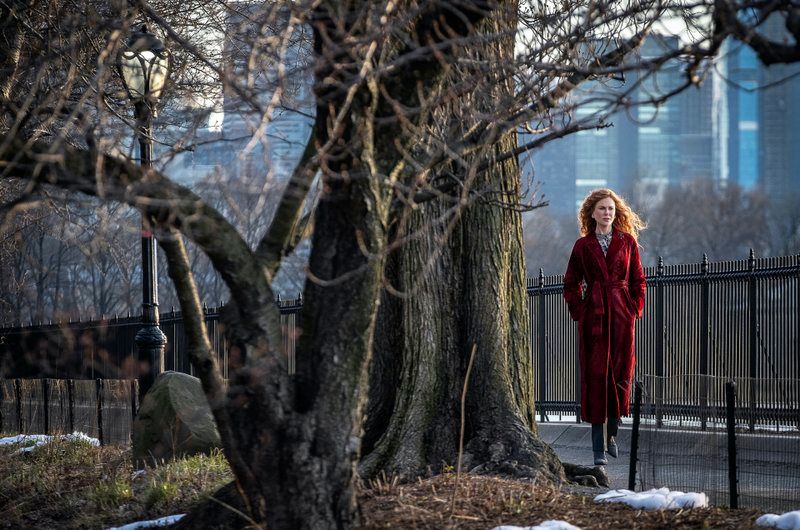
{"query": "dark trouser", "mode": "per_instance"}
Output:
(599, 437)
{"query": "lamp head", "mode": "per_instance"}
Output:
(144, 64)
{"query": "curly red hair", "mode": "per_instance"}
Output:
(625, 219)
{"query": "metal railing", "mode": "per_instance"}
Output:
(733, 319)
(105, 348)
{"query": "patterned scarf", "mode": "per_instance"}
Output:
(604, 240)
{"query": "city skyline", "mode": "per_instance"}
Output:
(735, 127)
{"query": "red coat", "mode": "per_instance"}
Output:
(606, 315)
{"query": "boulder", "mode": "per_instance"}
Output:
(173, 421)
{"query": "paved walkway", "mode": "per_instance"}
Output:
(573, 443)
(768, 474)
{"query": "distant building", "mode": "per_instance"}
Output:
(741, 125)
(648, 144)
(743, 79)
(764, 116)
(246, 144)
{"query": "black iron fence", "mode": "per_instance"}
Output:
(732, 319)
(105, 348)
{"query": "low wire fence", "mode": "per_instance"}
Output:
(736, 460)
(101, 408)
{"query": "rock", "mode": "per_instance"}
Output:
(587, 480)
(577, 473)
(174, 420)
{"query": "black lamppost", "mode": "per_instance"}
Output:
(144, 65)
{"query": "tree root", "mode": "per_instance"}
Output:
(586, 475)
(225, 510)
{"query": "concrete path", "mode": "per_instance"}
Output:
(768, 474)
(572, 443)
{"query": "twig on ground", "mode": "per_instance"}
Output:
(461, 434)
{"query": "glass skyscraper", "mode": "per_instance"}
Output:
(741, 125)
(650, 143)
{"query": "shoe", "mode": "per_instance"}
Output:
(612, 447)
(600, 458)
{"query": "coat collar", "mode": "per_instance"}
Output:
(616, 245)
(597, 252)
(613, 250)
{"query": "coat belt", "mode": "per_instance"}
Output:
(596, 292)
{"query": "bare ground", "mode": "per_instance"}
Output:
(483, 502)
(76, 486)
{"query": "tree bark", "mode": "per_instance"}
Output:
(464, 287)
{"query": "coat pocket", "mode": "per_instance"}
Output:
(634, 310)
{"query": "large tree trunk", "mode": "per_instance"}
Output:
(472, 296)
(464, 285)
(299, 438)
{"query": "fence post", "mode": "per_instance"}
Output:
(542, 343)
(660, 331)
(134, 401)
(705, 337)
(99, 399)
(71, 403)
(46, 404)
(18, 395)
(637, 414)
(751, 303)
(730, 405)
(797, 342)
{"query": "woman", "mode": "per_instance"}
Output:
(606, 258)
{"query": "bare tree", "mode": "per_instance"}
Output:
(416, 110)
(701, 217)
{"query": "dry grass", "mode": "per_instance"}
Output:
(74, 485)
(485, 502)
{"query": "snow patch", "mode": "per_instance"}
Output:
(547, 525)
(787, 521)
(37, 440)
(154, 523)
(655, 499)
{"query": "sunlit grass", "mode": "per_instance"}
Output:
(72, 484)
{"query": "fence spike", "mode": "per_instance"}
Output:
(704, 266)
(751, 260)
(541, 277)
(660, 270)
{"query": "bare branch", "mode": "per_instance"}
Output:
(278, 242)
(161, 199)
(727, 21)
